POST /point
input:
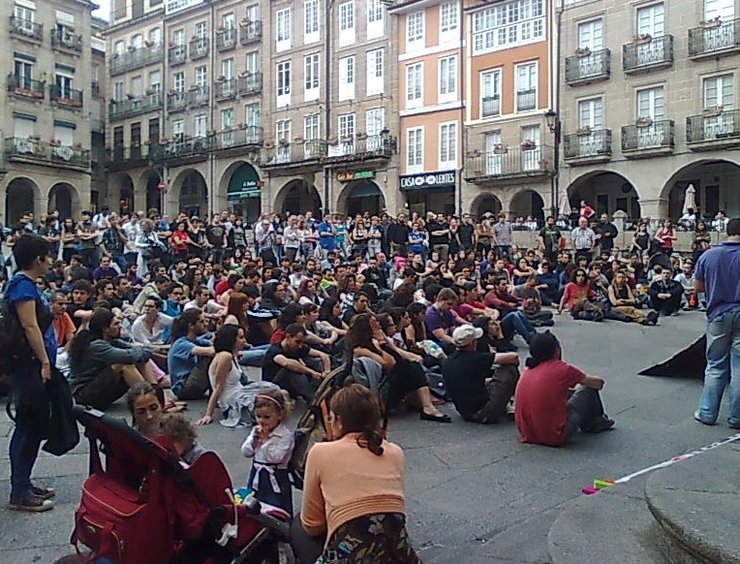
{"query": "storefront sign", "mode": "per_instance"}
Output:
(349, 176)
(244, 183)
(445, 179)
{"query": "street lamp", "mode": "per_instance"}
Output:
(553, 124)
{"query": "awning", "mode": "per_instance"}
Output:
(363, 189)
(244, 183)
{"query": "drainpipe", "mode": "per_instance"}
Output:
(463, 131)
(555, 192)
(327, 102)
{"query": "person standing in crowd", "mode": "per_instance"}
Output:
(606, 233)
(665, 238)
(88, 234)
(113, 241)
(583, 239)
(550, 239)
(717, 274)
(327, 236)
(398, 236)
(502, 237)
(29, 375)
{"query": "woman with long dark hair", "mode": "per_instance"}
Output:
(702, 240)
(69, 239)
(329, 315)
(365, 524)
(548, 411)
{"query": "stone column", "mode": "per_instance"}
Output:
(654, 209)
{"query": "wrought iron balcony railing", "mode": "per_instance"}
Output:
(226, 39)
(491, 106)
(588, 145)
(135, 58)
(250, 32)
(134, 105)
(177, 54)
(588, 66)
(67, 97)
(199, 47)
(713, 128)
(63, 39)
(647, 53)
(26, 29)
(530, 159)
(647, 137)
(47, 152)
(249, 83)
(714, 37)
(26, 87)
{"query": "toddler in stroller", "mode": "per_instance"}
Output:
(139, 504)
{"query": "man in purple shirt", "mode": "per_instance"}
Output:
(717, 274)
(441, 319)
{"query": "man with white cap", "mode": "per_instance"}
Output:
(480, 390)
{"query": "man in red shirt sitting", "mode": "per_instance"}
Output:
(554, 399)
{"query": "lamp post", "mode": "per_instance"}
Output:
(554, 125)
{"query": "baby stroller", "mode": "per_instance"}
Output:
(140, 504)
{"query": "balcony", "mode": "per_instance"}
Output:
(363, 148)
(198, 96)
(186, 150)
(35, 151)
(647, 53)
(135, 58)
(26, 29)
(714, 38)
(134, 105)
(716, 128)
(588, 146)
(648, 138)
(177, 54)
(526, 100)
(65, 97)
(237, 138)
(177, 101)
(225, 89)
(226, 39)
(249, 83)
(491, 106)
(588, 66)
(507, 164)
(249, 32)
(63, 40)
(121, 157)
(291, 155)
(199, 48)
(24, 87)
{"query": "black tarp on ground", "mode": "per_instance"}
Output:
(686, 363)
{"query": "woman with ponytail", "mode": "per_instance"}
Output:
(554, 399)
(341, 522)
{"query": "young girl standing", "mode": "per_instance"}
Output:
(270, 443)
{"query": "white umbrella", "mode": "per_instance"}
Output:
(564, 203)
(689, 201)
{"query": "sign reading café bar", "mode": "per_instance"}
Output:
(444, 179)
(348, 176)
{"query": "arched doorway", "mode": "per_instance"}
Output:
(363, 195)
(194, 194)
(486, 204)
(528, 203)
(20, 198)
(714, 183)
(606, 192)
(60, 198)
(244, 193)
(126, 195)
(298, 197)
(153, 193)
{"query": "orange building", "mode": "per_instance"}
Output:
(430, 95)
(509, 156)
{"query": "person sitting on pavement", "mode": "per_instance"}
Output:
(493, 339)
(288, 364)
(511, 318)
(623, 301)
(686, 279)
(529, 293)
(189, 356)
(103, 367)
(479, 390)
(601, 297)
(149, 328)
(441, 319)
(158, 287)
(360, 304)
(576, 296)
(146, 404)
(549, 411)
(80, 308)
(665, 294)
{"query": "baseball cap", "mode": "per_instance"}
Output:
(466, 334)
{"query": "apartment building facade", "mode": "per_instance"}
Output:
(509, 150)
(49, 106)
(232, 104)
(648, 106)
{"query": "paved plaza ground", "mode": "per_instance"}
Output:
(474, 493)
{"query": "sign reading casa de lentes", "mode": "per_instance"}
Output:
(444, 179)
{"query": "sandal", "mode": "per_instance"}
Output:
(442, 418)
(172, 406)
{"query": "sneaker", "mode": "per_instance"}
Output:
(43, 493)
(547, 323)
(652, 317)
(30, 502)
(699, 419)
(601, 424)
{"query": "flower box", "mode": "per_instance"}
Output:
(643, 39)
(528, 145)
(583, 52)
(713, 112)
(711, 24)
(644, 122)
(584, 132)
(500, 149)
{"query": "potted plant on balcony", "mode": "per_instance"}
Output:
(583, 52)
(284, 142)
(584, 131)
(500, 149)
(269, 144)
(711, 24)
(528, 145)
(245, 21)
(149, 43)
(34, 137)
(644, 122)
(643, 39)
(54, 142)
(715, 111)
(474, 153)
(361, 135)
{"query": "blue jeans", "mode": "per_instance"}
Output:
(254, 356)
(516, 322)
(723, 367)
(28, 391)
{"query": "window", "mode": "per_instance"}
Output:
(591, 35)
(347, 127)
(311, 77)
(252, 62)
(155, 82)
(227, 118)
(490, 88)
(415, 31)
(533, 155)
(508, 24)
(63, 83)
(201, 76)
(227, 21)
(283, 29)
(651, 20)
(374, 122)
(23, 128)
(283, 83)
(346, 24)
(178, 37)
(591, 113)
(137, 86)
(448, 145)
(252, 115)
(137, 41)
(724, 9)
(526, 87)
(414, 85)
(25, 16)
(494, 157)
(651, 103)
(447, 79)
(118, 91)
(119, 48)
(718, 92)
(374, 19)
(227, 69)
(282, 130)
(311, 21)
(347, 78)
(178, 129)
(201, 125)
(178, 82)
(253, 12)
(24, 72)
(448, 21)
(201, 30)
(311, 127)
(375, 83)
(155, 36)
(415, 150)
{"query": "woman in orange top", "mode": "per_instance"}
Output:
(358, 504)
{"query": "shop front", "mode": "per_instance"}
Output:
(360, 193)
(244, 193)
(430, 191)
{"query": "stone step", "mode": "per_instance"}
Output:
(612, 526)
